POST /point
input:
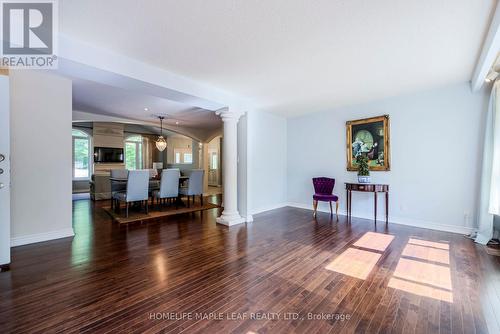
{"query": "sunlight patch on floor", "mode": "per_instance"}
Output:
(423, 270)
(421, 290)
(355, 263)
(427, 253)
(375, 241)
(440, 245)
(426, 273)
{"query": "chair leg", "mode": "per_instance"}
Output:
(147, 206)
(201, 199)
(315, 207)
(331, 210)
(127, 209)
(337, 209)
(188, 200)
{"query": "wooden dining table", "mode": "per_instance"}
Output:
(151, 180)
(124, 179)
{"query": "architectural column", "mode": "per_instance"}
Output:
(230, 215)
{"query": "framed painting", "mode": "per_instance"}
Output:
(370, 137)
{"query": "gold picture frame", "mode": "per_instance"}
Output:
(366, 136)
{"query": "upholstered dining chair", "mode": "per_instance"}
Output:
(169, 185)
(323, 192)
(195, 185)
(137, 189)
(117, 186)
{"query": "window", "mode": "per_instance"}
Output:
(188, 158)
(133, 152)
(81, 155)
(183, 155)
(215, 161)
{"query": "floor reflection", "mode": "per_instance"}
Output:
(82, 243)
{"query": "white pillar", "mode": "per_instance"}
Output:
(230, 215)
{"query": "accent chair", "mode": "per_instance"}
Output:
(323, 192)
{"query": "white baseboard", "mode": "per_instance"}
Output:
(40, 237)
(269, 208)
(397, 220)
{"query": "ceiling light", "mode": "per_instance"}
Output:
(176, 123)
(146, 109)
(161, 143)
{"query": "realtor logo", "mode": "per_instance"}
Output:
(29, 34)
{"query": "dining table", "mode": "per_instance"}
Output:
(124, 179)
(154, 183)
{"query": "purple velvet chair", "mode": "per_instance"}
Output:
(323, 189)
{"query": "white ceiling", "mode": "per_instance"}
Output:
(293, 56)
(102, 99)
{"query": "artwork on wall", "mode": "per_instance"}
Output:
(370, 137)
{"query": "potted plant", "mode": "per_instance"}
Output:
(363, 170)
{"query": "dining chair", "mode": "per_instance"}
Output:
(195, 185)
(169, 186)
(137, 189)
(323, 192)
(117, 186)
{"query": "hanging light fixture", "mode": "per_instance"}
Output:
(161, 143)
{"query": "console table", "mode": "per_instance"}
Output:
(372, 188)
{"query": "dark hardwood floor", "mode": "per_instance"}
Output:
(284, 273)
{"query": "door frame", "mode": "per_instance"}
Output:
(5, 166)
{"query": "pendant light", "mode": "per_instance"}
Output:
(161, 143)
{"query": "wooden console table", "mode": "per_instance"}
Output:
(372, 188)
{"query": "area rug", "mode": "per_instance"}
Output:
(154, 213)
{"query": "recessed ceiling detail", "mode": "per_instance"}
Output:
(93, 97)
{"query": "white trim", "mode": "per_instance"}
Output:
(230, 220)
(40, 237)
(397, 220)
(269, 208)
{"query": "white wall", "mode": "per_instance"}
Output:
(436, 154)
(267, 163)
(40, 160)
(178, 142)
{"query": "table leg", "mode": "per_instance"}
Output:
(375, 206)
(350, 205)
(386, 207)
(347, 202)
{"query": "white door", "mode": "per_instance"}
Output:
(213, 167)
(4, 171)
